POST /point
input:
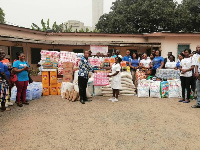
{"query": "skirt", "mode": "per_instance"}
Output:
(4, 89)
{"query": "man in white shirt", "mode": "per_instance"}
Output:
(197, 73)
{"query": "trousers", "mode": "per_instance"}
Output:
(198, 91)
(21, 90)
(185, 83)
(82, 85)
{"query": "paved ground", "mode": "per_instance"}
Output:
(130, 124)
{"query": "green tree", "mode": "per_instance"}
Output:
(2, 16)
(139, 16)
(55, 27)
(188, 14)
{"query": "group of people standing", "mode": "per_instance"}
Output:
(188, 63)
(13, 75)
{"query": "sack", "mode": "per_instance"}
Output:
(155, 89)
(143, 88)
(98, 91)
(13, 78)
(164, 89)
(126, 75)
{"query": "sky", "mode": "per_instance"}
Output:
(25, 12)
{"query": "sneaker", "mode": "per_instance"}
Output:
(111, 98)
(195, 106)
(9, 103)
(115, 100)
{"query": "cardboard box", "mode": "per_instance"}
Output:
(67, 78)
(45, 77)
(53, 77)
(59, 88)
(53, 89)
(59, 80)
(45, 90)
(67, 71)
(68, 65)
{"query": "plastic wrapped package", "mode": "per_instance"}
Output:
(143, 88)
(66, 86)
(101, 79)
(175, 89)
(155, 89)
(90, 86)
(164, 89)
(13, 93)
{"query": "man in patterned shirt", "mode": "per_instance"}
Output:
(83, 75)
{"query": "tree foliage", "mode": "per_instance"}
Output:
(2, 16)
(145, 16)
(55, 27)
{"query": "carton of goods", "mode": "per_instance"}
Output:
(67, 78)
(59, 80)
(45, 77)
(112, 60)
(123, 64)
(59, 88)
(53, 89)
(53, 77)
(48, 64)
(68, 65)
(45, 90)
(67, 71)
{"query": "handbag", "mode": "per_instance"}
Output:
(13, 78)
(30, 79)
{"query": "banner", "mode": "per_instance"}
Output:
(101, 49)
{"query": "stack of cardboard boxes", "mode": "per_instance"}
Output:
(68, 71)
(50, 83)
(45, 83)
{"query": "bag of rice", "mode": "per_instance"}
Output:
(143, 88)
(155, 89)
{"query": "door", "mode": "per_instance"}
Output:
(182, 47)
(14, 50)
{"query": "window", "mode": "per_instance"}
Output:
(14, 51)
(111, 51)
(78, 50)
(182, 47)
(35, 55)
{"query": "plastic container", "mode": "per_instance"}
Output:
(45, 90)
(53, 77)
(53, 89)
(45, 77)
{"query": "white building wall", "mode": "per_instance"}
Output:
(170, 44)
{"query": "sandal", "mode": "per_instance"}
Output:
(19, 104)
(186, 101)
(182, 100)
(25, 103)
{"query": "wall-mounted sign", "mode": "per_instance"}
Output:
(101, 49)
